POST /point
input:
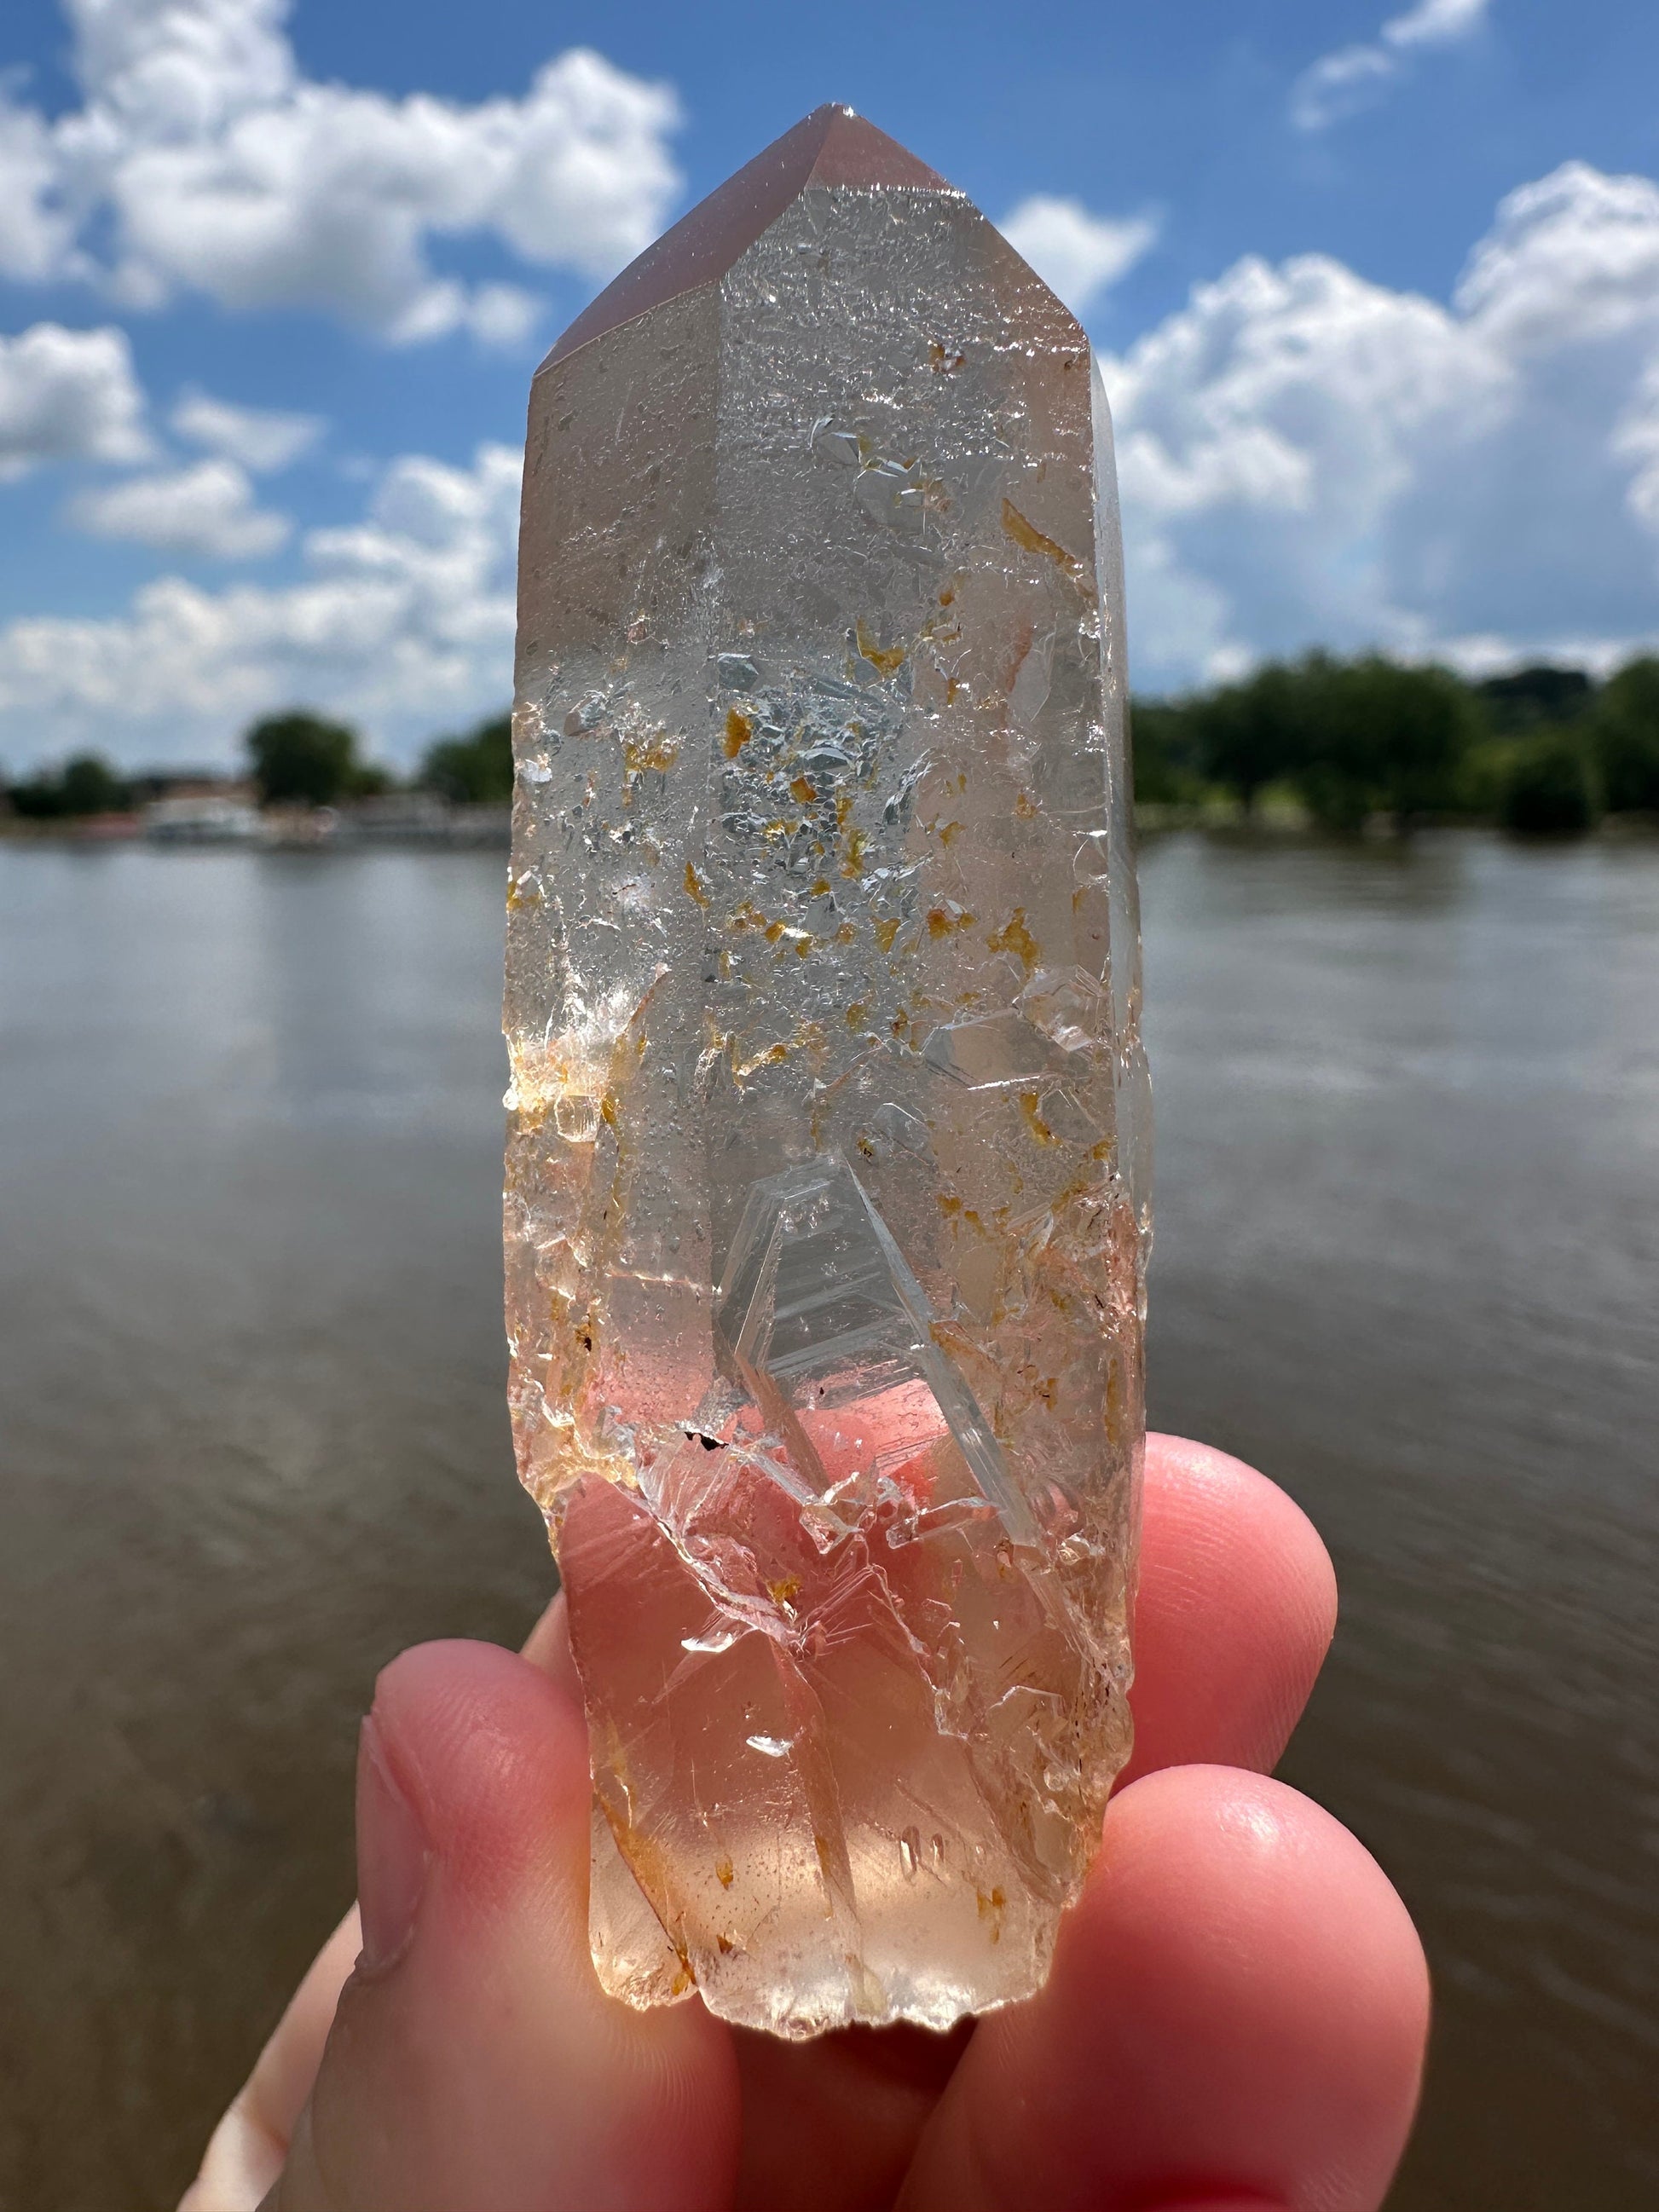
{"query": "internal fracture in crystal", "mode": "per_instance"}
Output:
(827, 1199)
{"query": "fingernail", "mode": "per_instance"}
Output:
(392, 1857)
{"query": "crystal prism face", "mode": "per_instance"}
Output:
(827, 1197)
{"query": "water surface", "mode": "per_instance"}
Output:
(253, 1441)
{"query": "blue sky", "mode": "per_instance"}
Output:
(1376, 293)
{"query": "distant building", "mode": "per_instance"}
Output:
(400, 817)
(302, 829)
(150, 784)
(423, 818)
(209, 817)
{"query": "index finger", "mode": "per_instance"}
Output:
(1235, 1613)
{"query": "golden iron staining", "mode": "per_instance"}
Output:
(826, 1204)
(1014, 937)
(888, 660)
(1026, 533)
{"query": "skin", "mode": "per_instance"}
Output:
(1235, 2023)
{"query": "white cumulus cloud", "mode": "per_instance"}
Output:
(1339, 84)
(1077, 254)
(262, 438)
(36, 236)
(1435, 23)
(201, 159)
(403, 621)
(68, 395)
(209, 509)
(1574, 257)
(1636, 440)
(1308, 458)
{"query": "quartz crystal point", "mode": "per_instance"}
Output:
(826, 1197)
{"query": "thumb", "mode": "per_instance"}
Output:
(475, 2065)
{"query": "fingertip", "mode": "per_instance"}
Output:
(1237, 2011)
(475, 2062)
(1235, 1613)
(1277, 1988)
(1211, 1517)
(450, 1682)
(491, 1755)
(1236, 1870)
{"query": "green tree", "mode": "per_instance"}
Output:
(1381, 738)
(85, 785)
(37, 798)
(474, 770)
(1549, 786)
(1535, 698)
(1165, 759)
(1249, 735)
(302, 759)
(92, 786)
(1625, 730)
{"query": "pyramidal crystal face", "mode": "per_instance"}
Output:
(826, 1199)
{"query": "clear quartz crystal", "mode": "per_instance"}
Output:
(827, 1199)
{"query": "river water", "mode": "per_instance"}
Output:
(252, 1437)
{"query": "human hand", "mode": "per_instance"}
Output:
(1236, 2017)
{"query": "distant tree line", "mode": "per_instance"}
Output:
(294, 759)
(302, 759)
(474, 770)
(1545, 750)
(85, 785)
